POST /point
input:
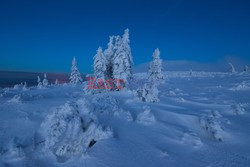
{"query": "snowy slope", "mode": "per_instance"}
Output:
(201, 120)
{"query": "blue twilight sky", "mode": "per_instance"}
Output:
(44, 35)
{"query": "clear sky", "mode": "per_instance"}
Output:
(44, 35)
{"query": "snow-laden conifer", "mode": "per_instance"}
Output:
(75, 76)
(155, 68)
(45, 80)
(56, 82)
(25, 86)
(39, 83)
(100, 63)
(122, 59)
(109, 53)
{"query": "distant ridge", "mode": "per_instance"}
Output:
(10, 78)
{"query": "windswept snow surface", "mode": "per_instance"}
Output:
(201, 119)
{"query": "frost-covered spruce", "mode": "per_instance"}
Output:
(39, 83)
(109, 53)
(232, 69)
(56, 82)
(122, 59)
(45, 81)
(75, 76)
(126, 46)
(155, 68)
(100, 62)
(149, 93)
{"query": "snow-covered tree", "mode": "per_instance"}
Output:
(25, 86)
(126, 46)
(246, 69)
(155, 68)
(148, 93)
(39, 83)
(45, 80)
(122, 59)
(109, 53)
(75, 76)
(100, 65)
(232, 69)
(56, 82)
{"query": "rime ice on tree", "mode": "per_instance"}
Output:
(100, 63)
(122, 59)
(155, 68)
(109, 52)
(39, 83)
(75, 76)
(149, 92)
(45, 81)
(56, 82)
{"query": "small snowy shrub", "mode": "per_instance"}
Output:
(242, 86)
(16, 99)
(71, 129)
(39, 83)
(18, 86)
(212, 126)
(106, 104)
(124, 114)
(14, 154)
(238, 109)
(4, 92)
(145, 117)
(191, 139)
(148, 94)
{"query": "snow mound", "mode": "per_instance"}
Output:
(4, 92)
(106, 104)
(145, 117)
(191, 139)
(14, 156)
(16, 99)
(213, 126)
(237, 109)
(71, 129)
(242, 86)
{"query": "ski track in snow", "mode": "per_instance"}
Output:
(184, 129)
